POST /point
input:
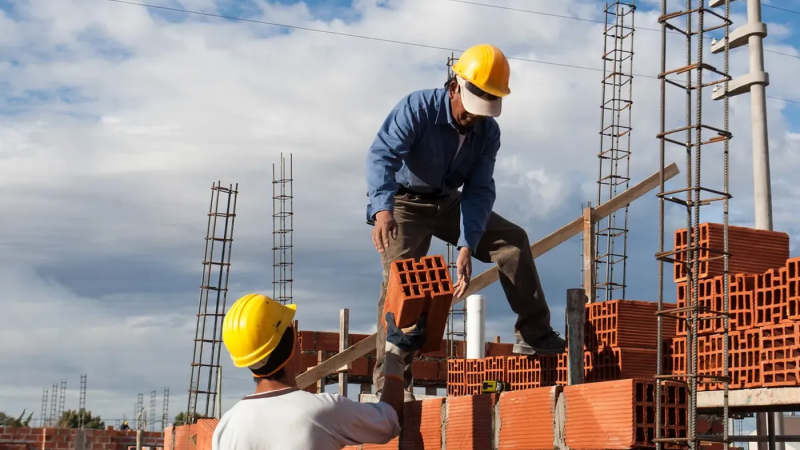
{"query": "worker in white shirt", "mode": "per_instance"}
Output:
(258, 334)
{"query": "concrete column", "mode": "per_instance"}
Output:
(476, 326)
(762, 190)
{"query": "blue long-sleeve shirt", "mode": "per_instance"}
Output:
(415, 147)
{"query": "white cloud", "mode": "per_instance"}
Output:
(119, 120)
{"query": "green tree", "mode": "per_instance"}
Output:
(11, 421)
(72, 419)
(181, 418)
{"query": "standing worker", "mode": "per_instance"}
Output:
(433, 142)
(258, 334)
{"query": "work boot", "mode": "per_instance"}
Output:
(550, 343)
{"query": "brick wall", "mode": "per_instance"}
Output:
(68, 438)
(610, 415)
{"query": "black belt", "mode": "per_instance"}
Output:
(402, 190)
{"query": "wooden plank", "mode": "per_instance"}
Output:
(576, 307)
(588, 254)
(566, 232)
(485, 279)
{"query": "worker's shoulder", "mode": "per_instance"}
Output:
(491, 127)
(423, 100)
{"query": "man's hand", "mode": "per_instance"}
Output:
(385, 226)
(463, 271)
(405, 341)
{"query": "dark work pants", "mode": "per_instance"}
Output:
(503, 243)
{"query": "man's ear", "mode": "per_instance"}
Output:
(452, 88)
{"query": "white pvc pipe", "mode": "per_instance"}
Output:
(476, 326)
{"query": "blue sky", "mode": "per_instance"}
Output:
(118, 118)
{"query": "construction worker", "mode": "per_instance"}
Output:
(432, 143)
(257, 332)
(124, 426)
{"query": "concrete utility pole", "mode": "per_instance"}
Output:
(755, 82)
(752, 34)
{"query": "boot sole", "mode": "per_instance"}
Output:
(528, 350)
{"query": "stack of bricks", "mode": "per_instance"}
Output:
(764, 307)
(430, 368)
(620, 342)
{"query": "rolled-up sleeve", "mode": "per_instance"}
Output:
(363, 423)
(478, 195)
(386, 154)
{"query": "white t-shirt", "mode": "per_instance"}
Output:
(291, 419)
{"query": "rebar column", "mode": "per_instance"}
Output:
(62, 397)
(213, 298)
(54, 406)
(82, 405)
(457, 317)
(43, 412)
(690, 254)
(165, 411)
(611, 233)
(282, 232)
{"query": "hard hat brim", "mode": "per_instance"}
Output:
(477, 105)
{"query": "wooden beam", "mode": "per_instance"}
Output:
(485, 279)
(576, 308)
(563, 234)
(588, 254)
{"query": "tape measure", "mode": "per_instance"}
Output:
(494, 387)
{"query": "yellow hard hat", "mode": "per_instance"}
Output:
(253, 327)
(486, 67)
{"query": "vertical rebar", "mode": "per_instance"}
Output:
(455, 331)
(614, 156)
(165, 411)
(216, 271)
(82, 403)
(726, 248)
(62, 394)
(693, 250)
(282, 242)
(54, 406)
(139, 410)
(43, 411)
(152, 422)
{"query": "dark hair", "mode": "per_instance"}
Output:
(279, 356)
(450, 79)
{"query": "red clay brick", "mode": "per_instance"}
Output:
(495, 368)
(752, 251)
(421, 287)
(523, 372)
(780, 355)
(770, 304)
(618, 363)
(625, 323)
(469, 422)
(425, 369)
(618, 414)
(474, 375)
(422, 425)
(456, 377)
(526, 419)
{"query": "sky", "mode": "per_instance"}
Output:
(117, 118)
